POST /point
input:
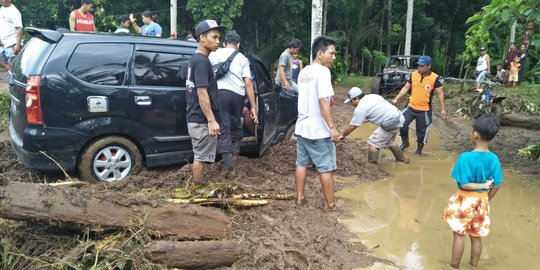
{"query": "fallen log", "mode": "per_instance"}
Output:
(193, 255)
(78, 208)
(519, 120)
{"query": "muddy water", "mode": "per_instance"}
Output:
(399, 217)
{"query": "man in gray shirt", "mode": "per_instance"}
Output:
(380, 112)
(284, 70)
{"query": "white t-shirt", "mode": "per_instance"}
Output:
(238, 70)
(10, 20)
(482, 63)
(376, 110)
(314, 82)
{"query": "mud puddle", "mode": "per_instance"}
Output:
(399, 217)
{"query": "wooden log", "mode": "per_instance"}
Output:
(75, 207)
(193, 255)
(519, 120)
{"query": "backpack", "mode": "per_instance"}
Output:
(220, 69)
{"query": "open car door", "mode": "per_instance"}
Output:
(268, 106)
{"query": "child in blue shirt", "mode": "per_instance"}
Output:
(479, 176)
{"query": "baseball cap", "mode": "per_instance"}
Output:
(207, 25)
(483, 49)
(353, 93)
(232, 37)
(424, 60)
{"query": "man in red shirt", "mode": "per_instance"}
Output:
(81, 20)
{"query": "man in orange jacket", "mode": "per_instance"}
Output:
(421, 84)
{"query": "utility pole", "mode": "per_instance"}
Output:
(316, 21)
(408, 29)
(174, 10)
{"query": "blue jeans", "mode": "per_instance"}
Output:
(7, 55)
(321, 152)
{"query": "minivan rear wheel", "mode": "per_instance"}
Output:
(109, 159)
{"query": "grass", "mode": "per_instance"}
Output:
(4, 110)
(364, 82)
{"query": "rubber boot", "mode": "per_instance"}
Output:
(373, 156)
(398, 154)
(228, 161)
(419, 149)
(405, 143)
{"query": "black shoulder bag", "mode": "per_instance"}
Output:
(220, 69)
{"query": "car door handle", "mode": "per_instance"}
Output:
(266, 107)
(143, 100)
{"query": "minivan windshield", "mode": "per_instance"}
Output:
(33, 57)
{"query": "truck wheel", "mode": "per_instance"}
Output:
(289, 134)
(375, 85)
(109, 159)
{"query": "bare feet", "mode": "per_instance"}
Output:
(301, 201)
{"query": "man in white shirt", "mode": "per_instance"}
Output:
(315, 129)
(380, 112)
(11, 32)
(233, 88)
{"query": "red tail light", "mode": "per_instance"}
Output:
(33, 103)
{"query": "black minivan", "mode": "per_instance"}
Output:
(101, 104)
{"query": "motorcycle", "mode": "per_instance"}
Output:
(486, 103)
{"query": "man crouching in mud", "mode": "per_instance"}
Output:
(315, 130)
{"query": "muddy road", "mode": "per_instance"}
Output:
(276, 236)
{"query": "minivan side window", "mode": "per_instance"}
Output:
(103, 64)
(160, 69)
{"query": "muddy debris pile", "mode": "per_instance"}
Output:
(275, 236)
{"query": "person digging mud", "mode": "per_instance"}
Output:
(421, 84)
(380, 112)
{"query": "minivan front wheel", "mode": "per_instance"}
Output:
(109, 159)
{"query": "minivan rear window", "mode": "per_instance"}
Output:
(100, 63)
(33, 57)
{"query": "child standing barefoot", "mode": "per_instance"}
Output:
(478, 175)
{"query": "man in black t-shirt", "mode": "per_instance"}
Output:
(202, 98)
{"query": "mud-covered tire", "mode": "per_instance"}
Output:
(375, 84)
(109, 159)
(289, 133)
(474, 106)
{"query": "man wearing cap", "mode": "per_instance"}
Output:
(202, 98)
(285, 65)
(380, 112)
(233, 88)
(422, 84)
(81, 20)
(11, 33)
(482, 69)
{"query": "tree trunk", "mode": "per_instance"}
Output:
(408, 28)
(193, 255)
(389, 28)
(316, 20)
(79, 208)
(519, 120)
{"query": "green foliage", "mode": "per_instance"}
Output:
(4, 110)
(364, 82)
(530, 152)
(379, 59)
(224, 11)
